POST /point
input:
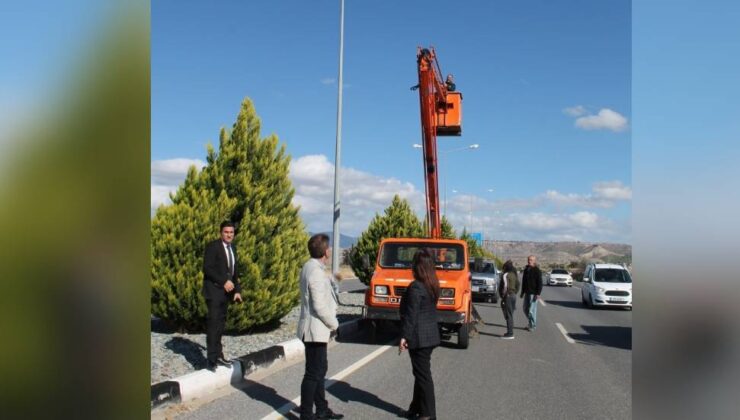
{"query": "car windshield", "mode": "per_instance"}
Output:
(559, 271)
(400, 255)
(612, 275)
(485, 267)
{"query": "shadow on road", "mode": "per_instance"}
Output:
(192, 351)
(618, 337)
(381, 334)
(489, 334)
(347, 393)
(267, 395)
(502, 326)
(566, 303)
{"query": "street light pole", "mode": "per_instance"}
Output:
(337, 251)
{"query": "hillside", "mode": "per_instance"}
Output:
(560, 253)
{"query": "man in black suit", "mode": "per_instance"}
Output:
(220, 285)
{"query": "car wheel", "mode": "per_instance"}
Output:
(489, 299)
(590, 301)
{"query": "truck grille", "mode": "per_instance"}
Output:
(399, 291)
(478, 282)
(617, 293)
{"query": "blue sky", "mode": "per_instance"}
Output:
(546, 90)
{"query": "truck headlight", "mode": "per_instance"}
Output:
(447, 293)
(381, 290)
(600, 289)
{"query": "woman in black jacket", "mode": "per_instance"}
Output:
(420, 333)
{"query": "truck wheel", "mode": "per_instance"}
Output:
(372, 331)
(463, 336)
(489, 299)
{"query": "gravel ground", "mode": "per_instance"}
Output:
(175, 354)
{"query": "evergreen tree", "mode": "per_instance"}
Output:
(448, 232)
(249, 177)
(399, 221)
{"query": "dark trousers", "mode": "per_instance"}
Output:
(508, 305)
(423, 401)
(312, 387)
(215, 327)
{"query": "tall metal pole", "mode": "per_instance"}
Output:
(337, 251)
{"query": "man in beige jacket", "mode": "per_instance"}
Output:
(316, 324)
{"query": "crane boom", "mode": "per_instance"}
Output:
(440, 115)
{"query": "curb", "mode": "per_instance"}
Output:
(201, 382)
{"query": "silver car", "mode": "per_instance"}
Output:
(484, 276)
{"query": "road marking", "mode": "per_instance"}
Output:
(565, 333)
(542, 302)
(282, 411)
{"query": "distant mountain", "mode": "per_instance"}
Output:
(345, 241)
(560, 253)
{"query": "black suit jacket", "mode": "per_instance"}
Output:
(419, 317)
(216, 271)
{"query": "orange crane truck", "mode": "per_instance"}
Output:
(441, 115)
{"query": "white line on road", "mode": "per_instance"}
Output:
(282, 411)
(565, 333)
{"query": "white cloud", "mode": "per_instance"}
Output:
(328, 81)
(173, 171)
(605, 194)
(365, 194)
(606, 119)
(612, 190)
(167, 175)
(575, 111)
(362, 194)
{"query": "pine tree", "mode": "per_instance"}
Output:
(249, 175)
(448, 232)
(398, 221)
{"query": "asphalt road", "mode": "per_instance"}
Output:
(350, 285)
(582, 372)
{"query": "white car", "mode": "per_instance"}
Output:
(606, 285)
(560, 276)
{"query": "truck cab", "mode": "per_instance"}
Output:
(393, 275)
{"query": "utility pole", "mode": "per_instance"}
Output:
(337, 251)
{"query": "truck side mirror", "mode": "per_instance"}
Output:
(365, 262)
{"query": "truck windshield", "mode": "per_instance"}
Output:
(447, 256)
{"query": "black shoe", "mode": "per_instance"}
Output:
(211, 366)
(328, 414)
(508, 336)
(223, 362)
